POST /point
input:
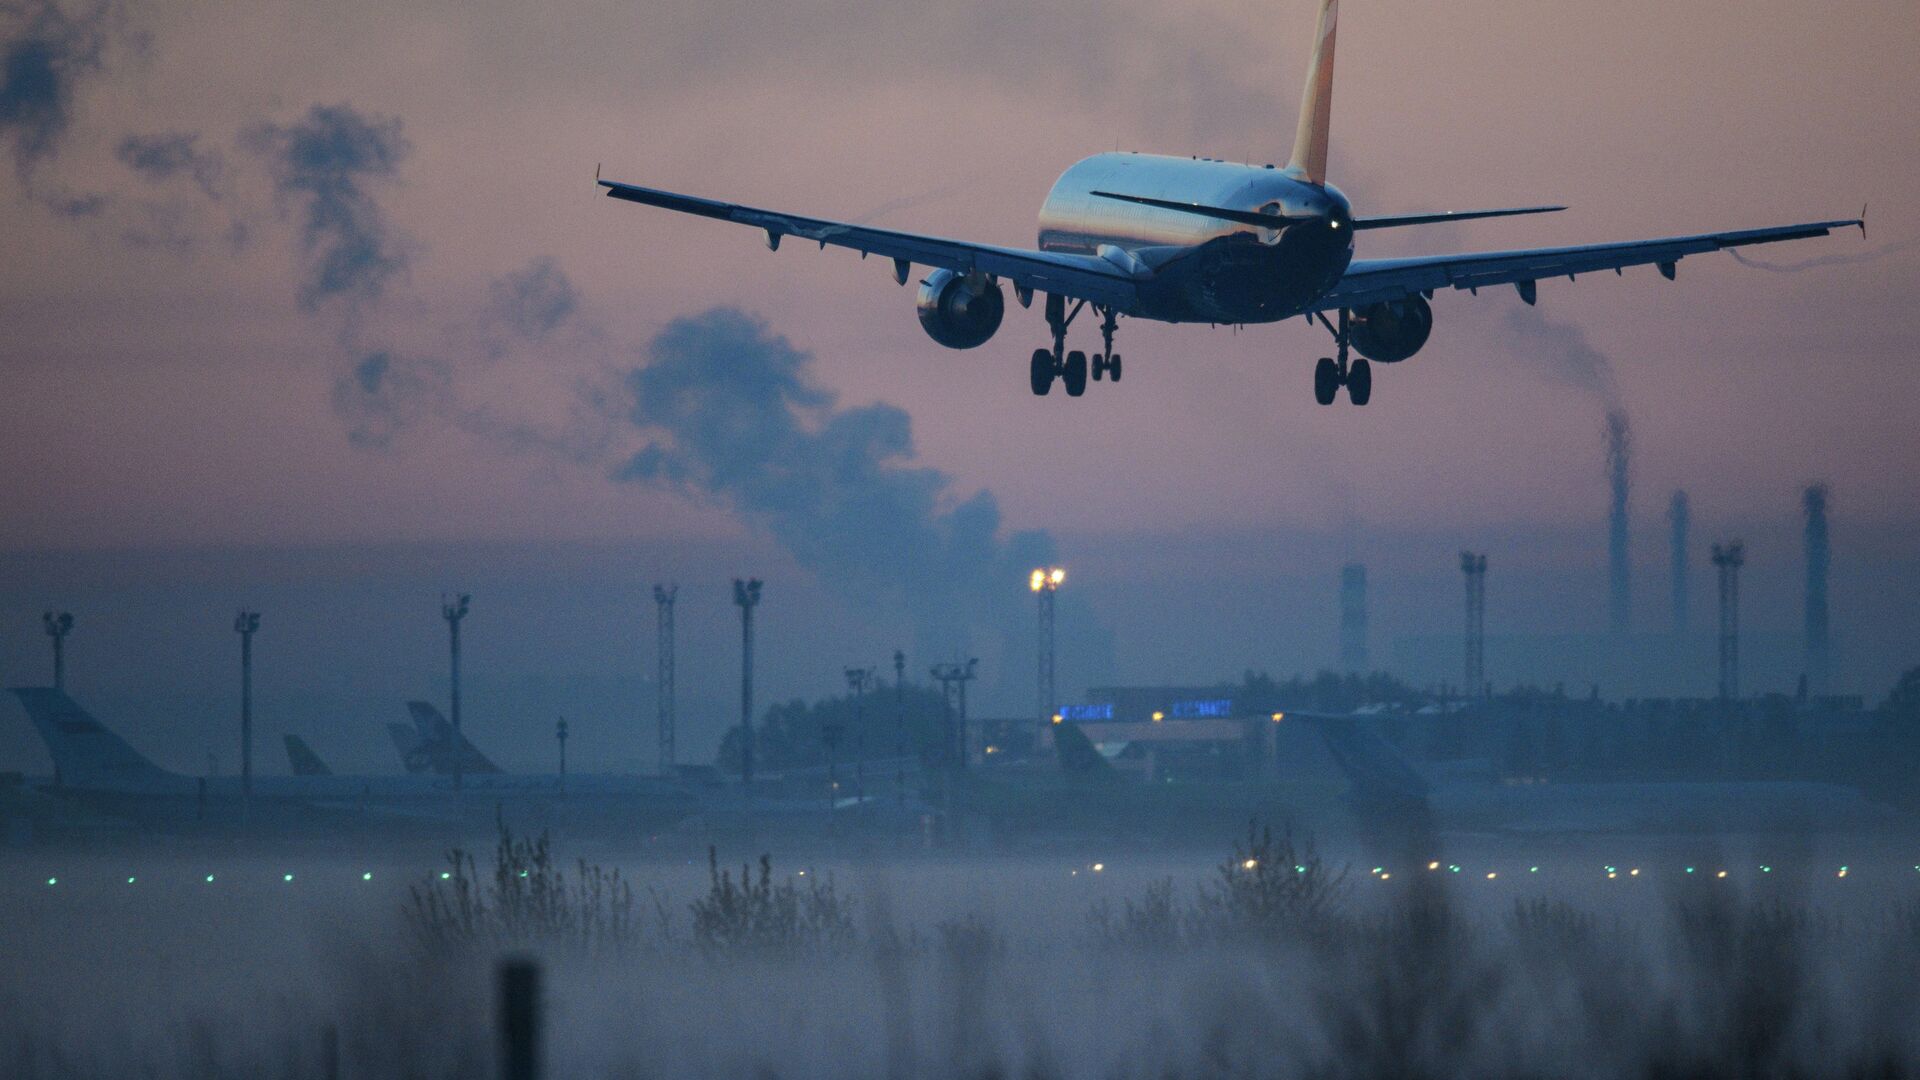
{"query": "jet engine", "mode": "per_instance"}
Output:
(1392, 330)
(959, 313)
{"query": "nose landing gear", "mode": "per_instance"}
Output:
(1333, 372)
(1072, 368)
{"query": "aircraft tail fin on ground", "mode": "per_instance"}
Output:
(1380, 776)
(1076, 752)
(302, 760)
(1309, 160)
(85, 754)
(441, 749)
(411, 746)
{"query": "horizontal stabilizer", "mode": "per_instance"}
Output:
(1398, 220)
(1244, 217)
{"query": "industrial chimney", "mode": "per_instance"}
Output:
(1619, 591)
(1680, 516)
(1819, 657)
(1353, 618)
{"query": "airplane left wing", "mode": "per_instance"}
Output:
(1080, 277)
(1369, 281)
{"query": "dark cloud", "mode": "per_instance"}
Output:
(535, 300)
(171, 154)
(382, 394)
(45, 56)
(324, 164)
(746, 425)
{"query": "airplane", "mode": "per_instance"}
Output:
(96, 767)
(1387, 789)
(1192, 239)
(432, 746)
(301, 759)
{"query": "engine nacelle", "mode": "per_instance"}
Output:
(1392, 330)
(955, 314)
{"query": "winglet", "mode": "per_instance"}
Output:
(1309, 161)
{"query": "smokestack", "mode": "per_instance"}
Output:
(1814, 501)
(663, 597)
(1728, 560)
(1474, 676)
(1353, 618)
(1680, 516)
(1619, 593)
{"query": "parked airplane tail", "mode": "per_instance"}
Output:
(413, 749)
(1379, 775)
(1077, 753)
(1309, 161)
(440, 746)
(85, 754)
(302, 759)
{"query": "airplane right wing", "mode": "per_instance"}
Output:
(1079, 277)
(1369, 281)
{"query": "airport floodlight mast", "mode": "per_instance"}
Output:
(663, 597)
(1475, 675)
(900, 726)
(953, 680)
(1727, 561)
(1044, 582)
(59, 624)
(453, 611)
(244, 624)
(858, 680)
(747, 595)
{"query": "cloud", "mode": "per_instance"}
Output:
(382, 394)
(535, 300)
(45, 55)
(324, 163)
(164, 156)
(743, 423)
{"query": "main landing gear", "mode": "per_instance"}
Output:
(1072, 368)
(1330, 374)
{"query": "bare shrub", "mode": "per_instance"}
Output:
(757, 916)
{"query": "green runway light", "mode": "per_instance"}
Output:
(1533, 869)
(209, 879)
(444, 875)
(523, 873)
(129, 881)
(1689, 869)
(1377, 869)
(368, 876)
(1453, 867)
(286, 877)
(1766, 869)
(1299, 869)
(53, 881)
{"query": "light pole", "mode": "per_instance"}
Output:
(453, 611)
(900, 726)
(1044, 582)
(858, 679)
(747, 595)
(244, 624)
(953, 680)
(59, 624)
(560, 733)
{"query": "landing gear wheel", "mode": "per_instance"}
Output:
(1074, 373)
(1360, 382)
(1099, 367)
(1041, 374)
(1113, 367)
(1326, 380)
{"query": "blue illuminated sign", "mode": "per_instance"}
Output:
(1086, 712)
(1202, 710)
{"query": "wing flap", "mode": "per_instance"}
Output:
(1372, 280)
(1083, 277)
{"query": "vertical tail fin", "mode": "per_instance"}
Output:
(84, 752)
(302, 760)
(1309, 160)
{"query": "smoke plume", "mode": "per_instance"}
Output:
(746, 425)
(323, 164)
(1563, 351)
